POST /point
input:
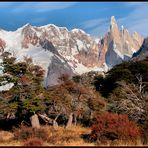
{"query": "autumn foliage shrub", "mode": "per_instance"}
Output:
(109, 126)
(33, 142)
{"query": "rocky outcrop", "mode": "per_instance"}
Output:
(103, 49)
(29, 36)
(47, 45)
(87, 48)
(56, 69)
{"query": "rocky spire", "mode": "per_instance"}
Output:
(137, 37)
(113, 20)
(115, 35)
(113, 24)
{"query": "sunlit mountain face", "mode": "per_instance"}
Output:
(59, 50)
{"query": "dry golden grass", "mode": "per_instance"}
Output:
(123, 143)
(61, 137)
(5, 136)
(11, 143)
(68, 137)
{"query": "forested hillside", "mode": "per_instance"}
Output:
(112, 105)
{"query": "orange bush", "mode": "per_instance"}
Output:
(33, 142)
(109, 126)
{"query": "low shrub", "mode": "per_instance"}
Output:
(62, 135)
(24, 133)
(109, 126)
(33, 142)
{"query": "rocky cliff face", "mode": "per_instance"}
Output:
(142, 53)
(56, 69)
(75, 46)
(59, 50)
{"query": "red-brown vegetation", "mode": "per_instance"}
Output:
(109, 126)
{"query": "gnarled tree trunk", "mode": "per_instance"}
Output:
(55, 124)
(46, 118)
(49, 120)
(75, 119)
(69, 123)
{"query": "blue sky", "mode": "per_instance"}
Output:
(92, 17)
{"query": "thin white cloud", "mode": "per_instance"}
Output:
(92, 23)
(137, 20)
(53, 6)
(41, 6)
(6, 4)
(140, 27)
(99, 31)
(38, 20)
(134, 3)
(96, 27)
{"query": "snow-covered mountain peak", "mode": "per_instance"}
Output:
(26, 25)
(59, 50)
(52, 25)
(76, 30)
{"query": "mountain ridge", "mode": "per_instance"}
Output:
(80, 52)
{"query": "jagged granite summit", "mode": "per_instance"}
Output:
(118, 45)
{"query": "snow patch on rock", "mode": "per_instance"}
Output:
(6, 87)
